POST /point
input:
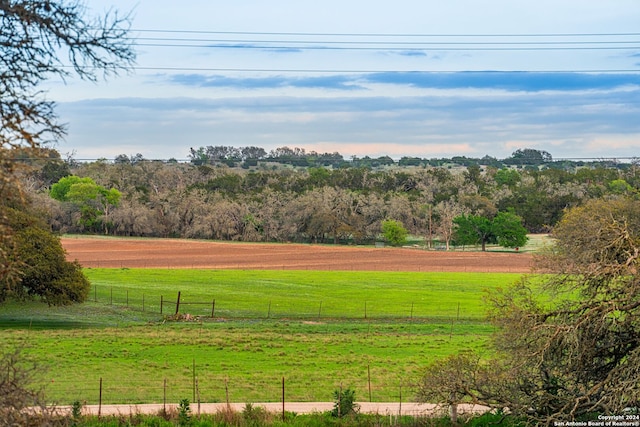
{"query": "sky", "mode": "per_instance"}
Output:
(374, 78)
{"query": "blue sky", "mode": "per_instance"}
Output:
(404, 78)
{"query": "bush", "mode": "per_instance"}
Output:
(344, 403)
(394, 232)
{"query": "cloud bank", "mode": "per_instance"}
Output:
(415, 114)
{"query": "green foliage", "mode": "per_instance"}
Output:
(509, 230)
(344, 403)
(505, 229)
(620, 186)
(45, 272)
(474, 230)
(82, 190)
(76, 410)
(184, 413)
(92, 200)
(507, 177)
(529, 156)
(60, 190)
(394, 232)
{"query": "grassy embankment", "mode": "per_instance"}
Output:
(318, 330)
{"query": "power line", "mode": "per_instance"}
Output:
(385, 43)
(266, 33)
(362, 41)
(293, 41)
(373, 71)
(404, 49)
(370, 71)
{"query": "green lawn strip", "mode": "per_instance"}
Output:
(249, 359)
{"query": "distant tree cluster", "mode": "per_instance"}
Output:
(250, 156)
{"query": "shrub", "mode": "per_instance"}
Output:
(344, 403)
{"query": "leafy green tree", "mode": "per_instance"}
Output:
(394, 232)
(474, 230)
(509, 230)
(504, 229)
(45, 272)
(93, 200)
(620, 186)
(507, 177)
(568, 341)
(529, 156)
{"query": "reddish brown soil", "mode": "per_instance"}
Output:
(177, 253)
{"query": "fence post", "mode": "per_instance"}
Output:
(451, 332)
(112, 295)
(143, 302)
(198, 394)
(213, 308)
(340, 402)
(369, 380)
(194, 380)
(283, 415)
(178, 305)
(100, 400)
(164, 397)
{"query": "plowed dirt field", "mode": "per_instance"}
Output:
(104, 252)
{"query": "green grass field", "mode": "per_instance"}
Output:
(299, 294)
(368, 331)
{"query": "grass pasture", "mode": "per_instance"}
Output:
(306, 326)
(299, 294)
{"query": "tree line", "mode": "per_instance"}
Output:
(250, 156)
(275, 203)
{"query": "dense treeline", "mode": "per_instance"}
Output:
(272, 202)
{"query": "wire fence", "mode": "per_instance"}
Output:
(416, 266)
(217, 388)
(212, 307)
